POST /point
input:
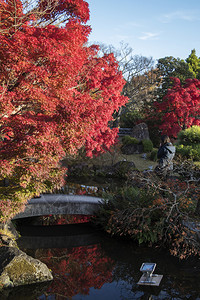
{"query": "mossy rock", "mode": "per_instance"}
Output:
(17, 268)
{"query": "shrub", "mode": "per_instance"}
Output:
(189, 143)
(183, 150)
(126, 213)
(189, 136)
(129, 140)
(189, 152)
(147, 145)
(153, 154)
(152, 212)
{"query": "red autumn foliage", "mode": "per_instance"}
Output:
(77, 270)
(180, 108)
(56, 96)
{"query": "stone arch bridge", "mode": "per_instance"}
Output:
(57, 204)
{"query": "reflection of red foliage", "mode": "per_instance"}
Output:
(78, 269)
(81, 192)
(72, 219)
(64, 219)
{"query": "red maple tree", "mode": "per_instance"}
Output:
(57, 96)
(180, 108)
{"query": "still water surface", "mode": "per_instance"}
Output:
(89, 265)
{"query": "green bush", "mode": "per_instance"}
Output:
(189, 136)
(147, 145)
(129, 140)
(188, 144)
(189, 152)
(153, 154)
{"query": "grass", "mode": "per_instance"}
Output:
(140, 163)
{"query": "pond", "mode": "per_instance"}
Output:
(88, 264)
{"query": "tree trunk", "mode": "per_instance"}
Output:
(117, 118)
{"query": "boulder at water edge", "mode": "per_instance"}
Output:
(17, 268)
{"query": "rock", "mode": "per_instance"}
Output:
(123, 168)
(17, 268)
(5, 281)
(8, 234)
(81, 170)
(9, 228)
(140, 132)
(8, 241)
(131, 149)
(119, 170)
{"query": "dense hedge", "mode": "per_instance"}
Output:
(147, 145)
(129, 140)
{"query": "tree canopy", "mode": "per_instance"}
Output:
(57, 96)
(164, 114)
(194, 64)
(180, 108)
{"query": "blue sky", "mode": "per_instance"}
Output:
(156, 28)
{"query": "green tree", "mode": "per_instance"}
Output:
(194, 64)
(172, 67)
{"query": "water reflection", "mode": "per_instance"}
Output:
(106, 268)
(78, 269)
